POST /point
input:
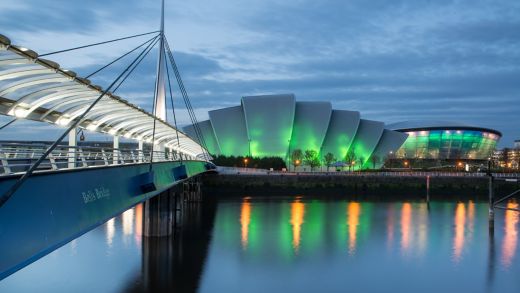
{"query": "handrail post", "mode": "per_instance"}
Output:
(140, 151)
(72, 149)
(115, 151)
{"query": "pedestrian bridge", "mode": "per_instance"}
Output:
(60, 202)
(53, 193)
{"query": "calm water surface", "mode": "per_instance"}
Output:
(292, 244)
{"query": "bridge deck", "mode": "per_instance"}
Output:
(54, 207)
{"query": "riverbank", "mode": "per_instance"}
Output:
(362, 186)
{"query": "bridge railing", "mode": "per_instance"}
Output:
(17, 158)
(253, 171)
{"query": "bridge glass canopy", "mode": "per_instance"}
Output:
(38, 89)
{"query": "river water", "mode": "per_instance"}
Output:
(292, 244)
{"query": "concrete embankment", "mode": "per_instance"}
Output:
(354, 186)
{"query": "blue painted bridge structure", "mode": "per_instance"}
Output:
(55, 206)
(51, 194)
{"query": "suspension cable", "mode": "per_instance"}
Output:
(8, 123)
(193, 119)
(96, 44)
(9, 193)
(185, 96)
(135, 66)
(120, 57)
(173, 107)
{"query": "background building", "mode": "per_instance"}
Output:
(276, 125)
(508, 158)
(445, 141)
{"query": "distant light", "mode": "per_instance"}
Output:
(448, 132)
(459, 132)
(112, 131)
(128, 135)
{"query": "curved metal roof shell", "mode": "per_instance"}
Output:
(38, 89)
(437, 125)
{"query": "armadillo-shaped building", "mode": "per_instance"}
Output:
(275, 125)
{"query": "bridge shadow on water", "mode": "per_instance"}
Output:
(175, 264)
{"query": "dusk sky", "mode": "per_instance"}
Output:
(391, 60)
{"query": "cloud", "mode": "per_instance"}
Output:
(392, 60)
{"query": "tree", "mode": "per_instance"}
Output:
(375, 160)
(350, 158)
(329, 159)
(361, 161)
(311, 159)
(296, 157)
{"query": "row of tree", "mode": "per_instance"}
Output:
(276, 163)
(298, 157)
(311, 158)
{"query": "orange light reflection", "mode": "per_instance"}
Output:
(406, 220)
(138, 232)
(353, 212)
(297, 219)
(458, 238)
(245, 219)
(511, 235)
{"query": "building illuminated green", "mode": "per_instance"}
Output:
(276, 125)
(446, 141)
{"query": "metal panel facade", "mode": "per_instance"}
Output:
(230, 129)
(368, 134)
(390, 141)
(311, 121)
(269, 122)
(340, 134)
(209, 136)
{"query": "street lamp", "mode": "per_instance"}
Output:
(245, 162)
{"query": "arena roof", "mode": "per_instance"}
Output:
(437, 125)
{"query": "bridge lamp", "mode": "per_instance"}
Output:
(92, 127)
(20, 112)
(63, 121)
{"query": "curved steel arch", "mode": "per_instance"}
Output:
(49, 89)
(24, 83)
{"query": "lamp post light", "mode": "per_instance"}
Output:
(245, 162)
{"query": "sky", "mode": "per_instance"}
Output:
(391, 60)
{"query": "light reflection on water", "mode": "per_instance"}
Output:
(293, 244)
(510, 240)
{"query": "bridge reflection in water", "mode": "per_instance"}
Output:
(298, 243)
